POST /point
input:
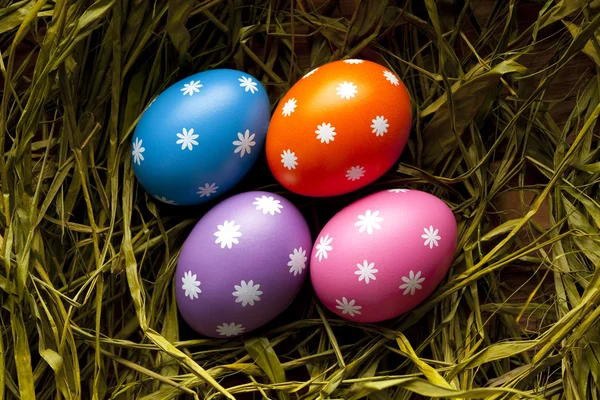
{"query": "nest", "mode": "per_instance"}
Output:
(505, 98)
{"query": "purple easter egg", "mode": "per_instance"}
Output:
(242, 264)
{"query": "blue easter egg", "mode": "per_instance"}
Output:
(200, 136)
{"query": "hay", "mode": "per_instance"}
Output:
(506, 99)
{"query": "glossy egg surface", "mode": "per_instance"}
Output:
(242, 264)
(339, 128)
(200, 136)
(382, 255)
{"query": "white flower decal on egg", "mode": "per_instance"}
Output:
(355, 173)
(191, 88)
(379, 125)
(247, 293)
(137, 151)
(347, 90)
(207, 189)
(231, 329)
(228, 234)
(354, 61)
(190, 285)
(412, 283)
(348, 307)
(268, 205)
(248, 84)
(391, 78)
(165, 200)
(325, 133)
(323, 247)
(297, 261)
(310, 73)
(369, 222)
(245, 143)
(366, 272)
(289, 159)
(289, 107)
(431, 237)
(398, 190)
(186, 139)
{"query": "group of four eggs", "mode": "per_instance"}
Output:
(339, 128)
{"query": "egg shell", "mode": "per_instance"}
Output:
(382, 255)
(339, 128)
(270, 257)
(200, 136)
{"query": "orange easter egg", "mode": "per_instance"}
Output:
(339, 128)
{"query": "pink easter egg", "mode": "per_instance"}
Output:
(384, 254)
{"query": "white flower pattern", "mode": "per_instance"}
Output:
(137, 151)
(325, 133)
(289, 159)
(323, 247)
(412, 283)
(346, 90)
(366, 271)
(354, 61)
(310, 73)
(191, 88)
(231, 329)
(369, 222)
(165, 200)
(398, 190)
(391, 78)
(297, 261)
(228, 234)
(380, 125)
(355, 173)
(245, 143)
(248, 84)
(268, 205)
(289, 107)
(207, 189)
(247, 293)
(348, 307)
(186, 139)
(431, 237)
(190, 285)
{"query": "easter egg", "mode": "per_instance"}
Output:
(384, 254)
(339, 128)
(200, 136)
(242, 264)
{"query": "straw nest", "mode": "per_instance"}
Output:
(506, 96)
